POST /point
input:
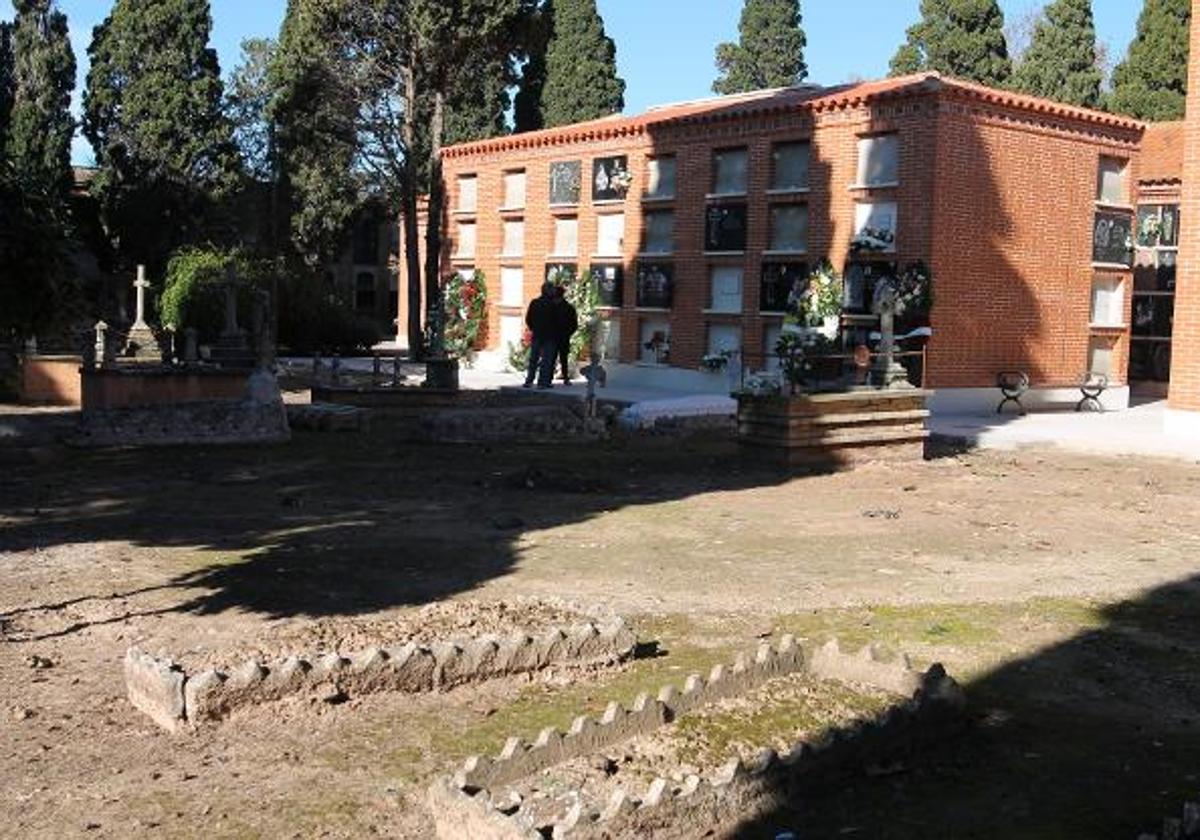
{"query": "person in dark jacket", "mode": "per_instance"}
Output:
(567, 322)
(542, 320)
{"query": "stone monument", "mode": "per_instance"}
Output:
(888, 373)
(141, 344)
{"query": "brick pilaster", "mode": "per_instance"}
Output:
(1185, 356)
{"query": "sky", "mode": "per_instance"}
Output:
(665, 48)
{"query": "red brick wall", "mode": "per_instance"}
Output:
(1013, 217)
(50, 380)
(999, 204)
(1185, 345)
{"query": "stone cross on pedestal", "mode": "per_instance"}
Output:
(140, 285)
(141, 345)
(231, 323)
(888, 372)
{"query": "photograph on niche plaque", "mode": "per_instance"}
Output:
(779, 282)
(566, 179)
(610, 284)
(655, 285)
(725, 227)
(1112, 240)
(859, 284)
(610, 178)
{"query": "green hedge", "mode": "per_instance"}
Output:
(194, 296)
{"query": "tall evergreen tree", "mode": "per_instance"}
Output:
(313, 114)
(6, 74)
(40, 124)
(1151, 83)
(961, 38)
(770, 51)
(1060, 63)
(152, 112)
(580, 80)
(247, 100)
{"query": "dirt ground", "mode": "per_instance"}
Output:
(1060, 589)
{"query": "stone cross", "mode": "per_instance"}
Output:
(140, 285)
(231, 323)
(101, 343)
(889, 373)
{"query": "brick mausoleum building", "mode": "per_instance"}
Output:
(1033, 217)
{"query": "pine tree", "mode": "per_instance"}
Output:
(581, 81)
(1060, 63)
(960, 38)
(1151, 83)
(152, 112)
(770, 51)
(41, 128)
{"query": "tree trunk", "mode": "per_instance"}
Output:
(412, 233)
(433, 225)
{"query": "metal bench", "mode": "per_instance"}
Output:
(1015, 384)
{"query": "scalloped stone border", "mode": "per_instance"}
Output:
(462, 804)
(174, 699)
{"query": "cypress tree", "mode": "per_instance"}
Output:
(960, 38)
(770, 50)
(1060, 63)
(313, 114)
(527, 105)
(40, 124)
(152, 112)
(581, 81)
(6, 70)
(1151, 83)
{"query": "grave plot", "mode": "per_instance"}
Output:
(334, 662)
(703, 759)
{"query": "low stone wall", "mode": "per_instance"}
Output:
(462, 805)
(328, 417)
(519, 759)
(402, 401)
(168, 407)
(175, 699)
(51, 380)
(558, 423)
(838, 429)
(145, 386)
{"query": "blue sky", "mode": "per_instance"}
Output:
(664, 47)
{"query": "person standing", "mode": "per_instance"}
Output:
(542, 320)
(567, 323)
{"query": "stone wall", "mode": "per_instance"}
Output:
(462, 805)
(558, 423)
(174, 698)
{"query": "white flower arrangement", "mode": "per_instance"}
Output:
(620, 179)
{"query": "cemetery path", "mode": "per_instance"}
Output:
(979, 559)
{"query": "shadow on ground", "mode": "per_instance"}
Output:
(344, 525)
(1093, 738)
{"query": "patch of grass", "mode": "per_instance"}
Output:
(541, 705)
(784, 717)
